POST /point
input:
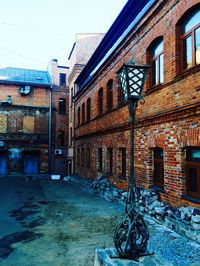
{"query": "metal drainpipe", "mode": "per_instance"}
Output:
(73, 143)
(50, 119)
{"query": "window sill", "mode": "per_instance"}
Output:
(189, 198)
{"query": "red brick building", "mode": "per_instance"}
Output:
(59, 118)
(165, 35)
(24, 121)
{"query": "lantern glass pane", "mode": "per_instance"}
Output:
(123, 81)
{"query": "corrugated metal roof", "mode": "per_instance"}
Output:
(126, 20)
(11, 75)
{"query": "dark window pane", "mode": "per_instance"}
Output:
(188, 52)
(161, 69)
(154, 73)
(100, 100)
(191, 22)
(83, 113)
(62, 106)
(197, 45)
(157, 49)
(157, 173)
(88, 158)
(123, 162)
(60, 141)
(158, 154)
(79, 116)
(110, 95)
(194, 155)
(193, 179)
(158, 178)
(88, 109)
(62, 79)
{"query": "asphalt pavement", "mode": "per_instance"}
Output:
(55, 223)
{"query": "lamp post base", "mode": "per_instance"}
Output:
(131, 236)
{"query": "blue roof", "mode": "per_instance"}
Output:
(11, 75)
(130, 15)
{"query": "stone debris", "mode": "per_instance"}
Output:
(183, 220)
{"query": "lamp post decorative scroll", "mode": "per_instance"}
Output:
(131, 235)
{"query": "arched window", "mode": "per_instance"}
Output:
(100, 100)
(156, 62)
(120, 97)
(78, 157)
(88, 109)
(190, 39)
(110, 95)
(88, 158)
(83, 113)
(158, 175)
(79, 116)
(193, 172)
(122, 155)
(82, 157)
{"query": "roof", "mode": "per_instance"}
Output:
(11, 75)
(130, 15)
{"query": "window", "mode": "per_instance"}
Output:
(109, 95)
(88, 158)
(78, 157)
(193, 172)
(120, 97)
(62, 106)
(122, 162)
(100, 101)
(82, 157)
(158, 175)
(110, 160)
(79, 116)
(190, 39)
(60, 140)
(71, 96)
(62, 79)
(100, 160)
(157, 63)
(88, 109)
(71, 137)
(83, 113)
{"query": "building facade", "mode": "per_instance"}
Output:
(84, 46)
(59, 118)
(166, 36)
(24, 121)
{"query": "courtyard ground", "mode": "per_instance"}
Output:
(55, 223)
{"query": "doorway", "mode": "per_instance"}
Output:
(31, 162)
(3, 163)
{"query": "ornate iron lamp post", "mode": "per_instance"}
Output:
(131, 235)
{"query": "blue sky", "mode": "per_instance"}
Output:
(32, 32)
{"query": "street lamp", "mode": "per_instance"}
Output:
(131, 235)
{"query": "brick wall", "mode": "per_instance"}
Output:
(24, 124)
(168, 118)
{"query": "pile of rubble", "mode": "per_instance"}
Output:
(184, 220)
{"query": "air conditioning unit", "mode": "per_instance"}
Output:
(25, 90)
(58, 151)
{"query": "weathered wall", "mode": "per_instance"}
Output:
(169, 116)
